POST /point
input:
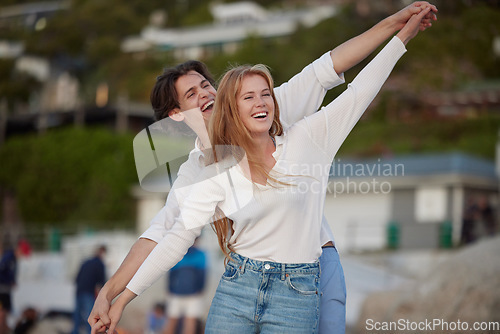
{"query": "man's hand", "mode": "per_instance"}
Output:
(412, 28)
(115, 314)
(100, 310)
(402, 17)
(116, 284)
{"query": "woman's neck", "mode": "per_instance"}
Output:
(259, 159)
(262, 146)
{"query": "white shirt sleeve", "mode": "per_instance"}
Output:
(169, 251)
(196, 211)
(165, 218)
(303, 94)
(330, 126)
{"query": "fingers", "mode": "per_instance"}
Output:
(98, 327)
(412, 27)
(431, 16)
(105, 319)
(101, 317)
(420, 16)
(424, 12)
(425, 4)
(427, 10)
(111, 328)
(425, 23)
(417, 7)
(414, 9)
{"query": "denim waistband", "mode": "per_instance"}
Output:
(243, 263)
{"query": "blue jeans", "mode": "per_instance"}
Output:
(266, 297)
(83, 307)
(333, 293)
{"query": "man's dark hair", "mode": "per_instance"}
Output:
(164, 97)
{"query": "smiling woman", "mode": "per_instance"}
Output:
(275, 236)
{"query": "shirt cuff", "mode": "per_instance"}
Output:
(399, 46)
(155, 236)
(323, 68)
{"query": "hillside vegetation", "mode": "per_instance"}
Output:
(71, 176)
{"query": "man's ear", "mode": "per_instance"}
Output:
(176, 114)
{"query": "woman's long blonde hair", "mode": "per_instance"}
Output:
(227, 131)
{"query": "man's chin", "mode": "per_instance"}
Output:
(207, 114)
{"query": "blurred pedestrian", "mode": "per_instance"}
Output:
(186, 282)
(8, 274)
(24, 247)
(27, 321)
(487, 216)
(469, 217)
(4, 328)
(156, 319)
(91, 277)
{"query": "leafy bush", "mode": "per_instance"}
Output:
(71, 175)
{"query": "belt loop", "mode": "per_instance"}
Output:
(283, 267)
(242, 267)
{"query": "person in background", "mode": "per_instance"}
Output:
(4, 328)
(89, 281)
(27, 321)
(156, 319)
(8, 275)
(186, 282)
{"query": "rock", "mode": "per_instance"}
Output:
(452, 297)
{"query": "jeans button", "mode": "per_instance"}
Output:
(267, 266)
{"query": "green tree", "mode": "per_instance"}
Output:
(71, 175)
(15, 87)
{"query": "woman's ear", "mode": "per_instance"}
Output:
(176, 114)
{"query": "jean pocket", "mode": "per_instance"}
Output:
(230, 273)
(303, 284)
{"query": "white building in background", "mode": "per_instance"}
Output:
(37, 67)
(423, 196)
(11, 49)
(234, 23)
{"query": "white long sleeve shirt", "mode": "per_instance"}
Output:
(279, 224)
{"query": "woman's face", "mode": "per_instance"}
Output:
(255, 104)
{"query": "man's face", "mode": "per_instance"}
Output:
(195, 91)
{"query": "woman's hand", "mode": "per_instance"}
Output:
(401, 18)
(412, 27)
(115, 314)
(100, 310)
